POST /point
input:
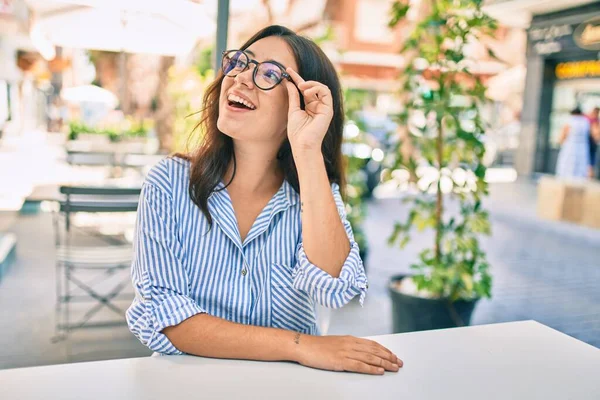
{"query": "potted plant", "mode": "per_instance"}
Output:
(444, 169)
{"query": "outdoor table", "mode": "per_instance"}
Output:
(517, 360)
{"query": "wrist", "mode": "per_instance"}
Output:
(311, 157)
(298, 343)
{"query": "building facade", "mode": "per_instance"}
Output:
(22, 103)
(563, 72)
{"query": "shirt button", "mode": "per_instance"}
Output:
(244, 272)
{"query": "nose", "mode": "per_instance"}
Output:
(245, 77)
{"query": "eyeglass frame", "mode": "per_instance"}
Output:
(284, 75)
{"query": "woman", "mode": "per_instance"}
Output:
(594, 140)
(235, 244)
(574, 156)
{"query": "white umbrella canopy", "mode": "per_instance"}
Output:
(133, 26)
(89, 94)
(509, 82)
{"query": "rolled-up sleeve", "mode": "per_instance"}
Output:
(158, 273)
(322, 287)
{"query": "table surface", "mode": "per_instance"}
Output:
(517, 360)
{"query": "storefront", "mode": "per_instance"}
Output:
(563, 72)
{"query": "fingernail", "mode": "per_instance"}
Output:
(380, 370)
(396, 367)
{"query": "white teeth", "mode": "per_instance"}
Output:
(237, 99)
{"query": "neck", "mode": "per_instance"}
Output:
(257, 169)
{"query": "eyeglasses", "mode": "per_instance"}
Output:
(266, 74)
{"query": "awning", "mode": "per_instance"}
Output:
(134, 26)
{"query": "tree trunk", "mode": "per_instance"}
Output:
(164, 106)
(439, 209)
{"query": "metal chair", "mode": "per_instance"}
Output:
(141, 162)
(91, 158)
(106, 257)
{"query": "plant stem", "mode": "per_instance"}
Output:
(439, 208)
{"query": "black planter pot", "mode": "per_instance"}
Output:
(410, 313)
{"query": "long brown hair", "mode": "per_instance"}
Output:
(212, 157)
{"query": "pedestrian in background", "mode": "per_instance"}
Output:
(574, 156)
(594, 139)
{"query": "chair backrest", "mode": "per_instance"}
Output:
(100, 190)
(142, 160)
(103, 199)
(91, 158)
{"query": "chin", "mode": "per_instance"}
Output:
(233, 129)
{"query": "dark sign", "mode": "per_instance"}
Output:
(559, 38)
(550, 39)
(587, 35)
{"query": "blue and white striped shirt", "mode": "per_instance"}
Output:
(181, 268)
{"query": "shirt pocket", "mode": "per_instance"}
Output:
(291, 309)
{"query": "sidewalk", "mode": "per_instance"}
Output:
(25, 162)
(517, 202)
(36, 159)
(542, 270)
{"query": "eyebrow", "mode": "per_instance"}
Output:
(270, 60)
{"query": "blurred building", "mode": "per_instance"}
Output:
(22, 77)
(366, 50)
(563, 71)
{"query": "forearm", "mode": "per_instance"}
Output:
(596, 133)
(209, 336)
(325, 240)
(563, 135)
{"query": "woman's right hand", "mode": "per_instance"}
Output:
(345, 353)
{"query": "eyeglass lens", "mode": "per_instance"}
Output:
(266, 75)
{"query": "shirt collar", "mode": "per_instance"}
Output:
(286, 192)
(223, 214)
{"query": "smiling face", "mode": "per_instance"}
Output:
(263, 115)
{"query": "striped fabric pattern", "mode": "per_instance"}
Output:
(182, 267)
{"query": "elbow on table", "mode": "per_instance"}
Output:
(329, 290)
(157, 338)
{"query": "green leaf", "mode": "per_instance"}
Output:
(480, 171)
(404, 241)
(492, 54)
(398, 12)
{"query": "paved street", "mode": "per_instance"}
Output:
(542, 270)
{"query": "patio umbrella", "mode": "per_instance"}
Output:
(89, 94)
(132, 26)
(95, 102)
(506, 83)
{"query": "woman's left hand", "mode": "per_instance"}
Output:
(307, 128)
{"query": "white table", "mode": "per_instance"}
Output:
(519, 360)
